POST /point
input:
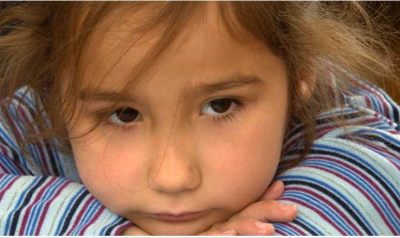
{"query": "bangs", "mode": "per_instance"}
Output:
(162, 24)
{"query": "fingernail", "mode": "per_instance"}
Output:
(262, 225)
(287, 207)
(231, 231)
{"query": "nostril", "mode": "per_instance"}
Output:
(175, 181)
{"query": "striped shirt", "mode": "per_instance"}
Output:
(346, 185)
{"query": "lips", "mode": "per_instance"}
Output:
(187, 216)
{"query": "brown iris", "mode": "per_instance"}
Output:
(127, 114)
(221, 105)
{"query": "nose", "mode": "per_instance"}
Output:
(175, 170)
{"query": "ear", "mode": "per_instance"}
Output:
(306, 83)
(305, 86)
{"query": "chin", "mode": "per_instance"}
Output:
(174, 232)
(167, 229)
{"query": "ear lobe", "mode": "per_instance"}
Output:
(306, 85)
(305, 89)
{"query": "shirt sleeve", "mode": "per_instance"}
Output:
(42, 194)
(349, 184)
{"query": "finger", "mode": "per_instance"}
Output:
(273, 192)
(134, 231)
(213, 232)
(246, 227)
(269, 210)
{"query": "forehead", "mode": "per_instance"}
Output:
(202, 49)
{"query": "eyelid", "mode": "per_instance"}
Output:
(239, 101)
(240, 105)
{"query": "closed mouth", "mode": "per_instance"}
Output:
(187, 216)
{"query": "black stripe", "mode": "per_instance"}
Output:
(71, 213)
(28, 197)
(321, 121)
(111, 228)
(345, 117)
(15, 156)
(52, 159)
(396, 113)
(387, 142)
(362, 167)
(32, 113)
(305, 227)
(334, 197)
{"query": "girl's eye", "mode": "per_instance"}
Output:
(220, 107)
(124, 116)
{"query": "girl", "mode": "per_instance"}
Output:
(175, 117)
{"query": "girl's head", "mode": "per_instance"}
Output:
(180, 107)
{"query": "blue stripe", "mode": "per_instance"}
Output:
(284, 229)
(20, 130)
(361, 160)
(67, 210)
(104, 229)
(27, 98)
(36, 211)
(7, 139)
(20, 201)
(58, 162)
(7, 162)
(330, 212)
(5, 180)
(333, 190)
(312, 227)
(86, 217)
(366, 187)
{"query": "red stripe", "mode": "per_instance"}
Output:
(121, 228)
(323, 130)
(368, 180)
(378, 209)
(29, 208)
(329, 205)
(379, 96)
(289, 225)
(4, 169)
(4, 190)
(39, 145)
(47, 205)
(319, 212)
(377, 147)
(92, 221)
(292, 143)
(327, 129)
(5, 151)
(78, 218)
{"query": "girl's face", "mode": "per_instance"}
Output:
(200, 133)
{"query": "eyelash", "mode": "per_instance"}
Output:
(231, 116)
(228, 117)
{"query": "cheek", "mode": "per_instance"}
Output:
(109, 171)
(242, 162)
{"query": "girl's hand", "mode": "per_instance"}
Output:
(252, 220)
(258, 214)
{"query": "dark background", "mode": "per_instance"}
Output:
(389, 10)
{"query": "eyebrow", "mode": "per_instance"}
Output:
(231, 82)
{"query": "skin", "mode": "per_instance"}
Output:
(180, 155)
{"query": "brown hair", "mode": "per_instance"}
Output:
(46, 40)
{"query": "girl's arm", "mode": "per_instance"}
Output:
(45, 205)
(348, 185)
(41, 194)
